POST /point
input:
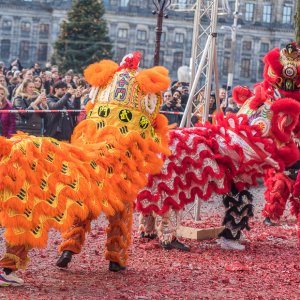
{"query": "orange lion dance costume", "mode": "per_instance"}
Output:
(48, 184)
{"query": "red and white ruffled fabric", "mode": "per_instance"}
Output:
(207, 159)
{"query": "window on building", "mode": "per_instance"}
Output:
(181, 3)
(44, 30)
(163, 37)
(249, 13)
(177, 60)
(247, 45)
(287, 14)
(42, 51)
(179, 38)
(227, 43)
(124, 3)
(141, 35)
(142, 61)
(7, 25)
(245, 68)
(261, 66)
(5, 49)
(264, 47)
(120, 53)
(122, 33)
(25, 26)
(267, 13)
(225, 68)
(24, 50)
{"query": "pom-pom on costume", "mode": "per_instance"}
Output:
(224, 158)
(49, 184)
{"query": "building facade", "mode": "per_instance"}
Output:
(28, 29)
(262, 25)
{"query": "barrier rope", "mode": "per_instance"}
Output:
(66, 110)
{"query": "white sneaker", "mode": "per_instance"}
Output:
(11, 279)
(231, 244)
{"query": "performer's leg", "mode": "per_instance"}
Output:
(167, 231)
(15, 258)
(119, 238)
(147, 225)
(74, 240)
(238, 211)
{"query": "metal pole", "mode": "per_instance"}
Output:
(158, 31)
(160, 8)
(195, 82)
(195, 40)
(216, 78)
(213, 32)
(211, 58)
(233, 45)
(194, 55)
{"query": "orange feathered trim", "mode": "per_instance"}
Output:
(5, 146)
(153, 80)
(80, 190)
(90, 105)
(100, 73)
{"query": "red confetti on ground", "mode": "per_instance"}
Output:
(268, 268)
(236, 266)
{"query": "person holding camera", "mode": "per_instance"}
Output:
(27, 98)
(172, 104)
(60, 125)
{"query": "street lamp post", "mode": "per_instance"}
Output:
(160, 10)
(233, 45)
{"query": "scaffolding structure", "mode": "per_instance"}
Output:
(204, 68)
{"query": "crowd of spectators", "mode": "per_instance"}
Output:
(175, 100)
(38, 88)
(41, 89)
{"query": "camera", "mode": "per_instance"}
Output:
(173, 102)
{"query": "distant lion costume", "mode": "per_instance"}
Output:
(48, 184)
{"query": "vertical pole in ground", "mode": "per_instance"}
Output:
(160, 9)
(233, 45)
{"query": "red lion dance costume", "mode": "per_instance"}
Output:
(226, 159)
(281, 78)
(48, 184)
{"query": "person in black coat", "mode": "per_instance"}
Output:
(60, 125)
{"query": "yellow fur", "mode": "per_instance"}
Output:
(47, 184)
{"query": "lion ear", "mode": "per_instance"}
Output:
(100, 73)
(153, 80)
